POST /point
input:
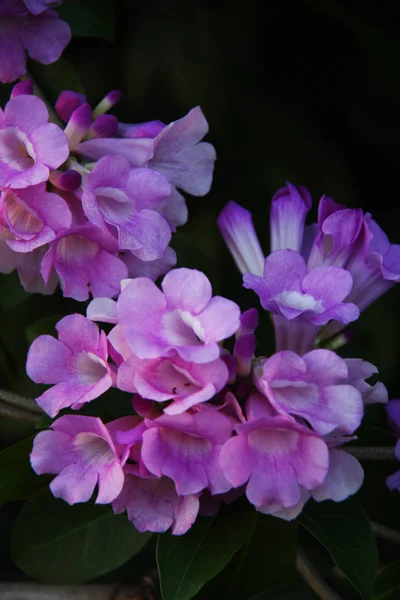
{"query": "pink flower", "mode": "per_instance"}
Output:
(183, 318)
(153, 504)
(161, 379)
(76, 363)
(277, 458)
(314, 386)
(29, 145)
(126, 199)
(33, 216)
(81, 452)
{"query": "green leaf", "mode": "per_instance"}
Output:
(187, 562)
(90, 18)
(18, 480)
(257, 566)
(53, 79)
(344, 530)
(57, 543)
(292, 591)
(387, 584)
(45, 325)
(11, 291)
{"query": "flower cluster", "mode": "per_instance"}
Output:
(95, 201)
(29, 26)
(208, 425)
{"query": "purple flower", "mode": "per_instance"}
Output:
(85, 259)
(245, 343)
(313, 386)
(33, 216)
(183, 318)
(29, 145)
(76, 363)
(291, 292)
(81, 452)
(125, 198)
(350, 239)
(360, 370)
(277, 458)
(345, 477)
(186, 448)
(186, 384)
(152, 269)
(393, 412)
(289, 208)
(28, 27)
(152, 504)
(175, 150)
(237, 229)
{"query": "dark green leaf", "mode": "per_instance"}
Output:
(45, 325)
(260, 564)
(187, 562)
(17, 478)
(344, 530)
(57, 543)
(387, 584)
(90, 18)
(11, 291)
(293, 591)
(53, 79)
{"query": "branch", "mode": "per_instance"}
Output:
(18, 407)
(372, 452)
(37, 591)
(391, 535)
(314, 579)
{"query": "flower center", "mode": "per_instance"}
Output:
(15, 149)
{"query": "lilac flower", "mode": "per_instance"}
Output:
(350, 239)
(81, 452)
(29, 145)
(27, 264)
(28, 27)
(245, 343)
(153, 504)
(237, 229)
(289, 208)
(85, 259)
(33, 216)
(261, 445)
(126, 198)
(186, 448)
(345, 477)
(360, 370)
(314, 387)
(291, 292)
(183, 318)
(76, 363)
(176, 151)
(152, 269)
(162, 379)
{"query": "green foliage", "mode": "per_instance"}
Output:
(266, 560)
(344, 530)
(90, 18)
(57, 543)
(17, 478)
(387, 585)
(187, 562)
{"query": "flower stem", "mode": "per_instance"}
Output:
(372, 452)
(18, 407)
(314, 579)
